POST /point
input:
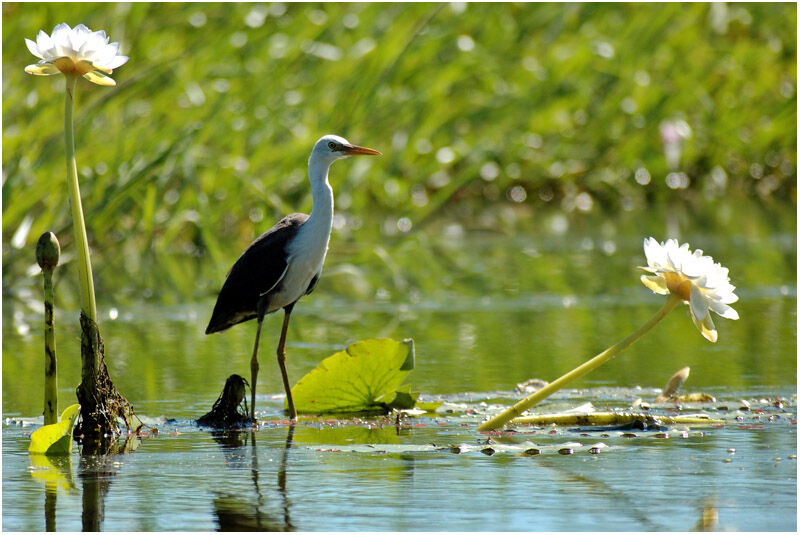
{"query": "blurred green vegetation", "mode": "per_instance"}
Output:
(489, 116)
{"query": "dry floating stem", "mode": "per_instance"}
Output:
(611, 418)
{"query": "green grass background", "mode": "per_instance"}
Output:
(481, 111)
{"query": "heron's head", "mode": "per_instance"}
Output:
(331, 148)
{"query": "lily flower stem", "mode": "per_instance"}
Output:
(91, 361)
(81, 242)
(517, 409)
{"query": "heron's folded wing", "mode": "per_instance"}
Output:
(257, 272)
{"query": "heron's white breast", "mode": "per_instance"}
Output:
(306, 254)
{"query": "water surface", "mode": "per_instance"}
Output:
(371, 475)
(486, 311)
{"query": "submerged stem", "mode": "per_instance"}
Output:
(581, 370)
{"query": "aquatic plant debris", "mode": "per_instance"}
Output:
(525, 448)
(365, 377)
(674, 383)
(227, 412)
(102, 403)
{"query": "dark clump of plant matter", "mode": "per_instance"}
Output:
(230, 409)
(102, 406)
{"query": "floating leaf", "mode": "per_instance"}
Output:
(697, 397)
(56, 439)
(429, 406)
(366, 376)
(403, 398)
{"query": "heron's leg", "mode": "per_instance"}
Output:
(287, 311)
(262, 306)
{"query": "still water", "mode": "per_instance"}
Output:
(485, 320)
(375, 476)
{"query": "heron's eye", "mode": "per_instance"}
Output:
(331, 145)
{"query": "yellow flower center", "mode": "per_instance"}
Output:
(678, 284)
(68, 65)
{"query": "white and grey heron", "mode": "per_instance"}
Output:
(283, 264)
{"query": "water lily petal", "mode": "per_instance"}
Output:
(709, 331)
(724, 310)
(728, 296)
(60, 28)
(78, 36)
(650, 246)
(674, 259)
(45, 45)
(106, 54)
(99, 78)
(693, 276)
(655, 283)
(654, 252)
(94, 43)
(102, 69)
(693, 266)
(701, 282)
(42, 69)
(61, 40)
(698, 303)
(116, 62)
(76, 50)
(33, 48)
(706, 328)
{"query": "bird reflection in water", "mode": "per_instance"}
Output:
(237, 514)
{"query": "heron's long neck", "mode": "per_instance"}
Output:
(321, 194)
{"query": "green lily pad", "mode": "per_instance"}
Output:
(365, 377)
(56, 439)
(429, 406)
(403, 398)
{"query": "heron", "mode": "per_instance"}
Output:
(283, 264)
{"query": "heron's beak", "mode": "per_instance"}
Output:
(352, 150)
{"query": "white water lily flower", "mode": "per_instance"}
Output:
(697, 279)
(75, 50)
